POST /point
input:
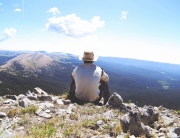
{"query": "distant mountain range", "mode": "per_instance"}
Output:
(137, 81)
(33, 63)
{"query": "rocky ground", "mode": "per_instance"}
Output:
(40, 115)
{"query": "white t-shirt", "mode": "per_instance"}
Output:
(87, 80)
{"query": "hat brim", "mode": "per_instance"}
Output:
(95, 58)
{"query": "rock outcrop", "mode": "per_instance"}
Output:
(38, 114)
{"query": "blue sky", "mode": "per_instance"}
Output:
(139, 29)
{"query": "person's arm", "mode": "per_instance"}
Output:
(73, 74)
(104, 77)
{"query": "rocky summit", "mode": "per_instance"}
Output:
(40, 115)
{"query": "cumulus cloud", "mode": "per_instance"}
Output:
(123, 15)
(54, 10)
(17, 10)
(74, 26)
(8, 33)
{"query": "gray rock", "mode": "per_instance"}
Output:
(45, 115)
(45, 105)
(66, 111)
(109, 115)
(44, 98)
(163, 130)
(7, 134)
(32, 97)
(100, 123)
(177, 131)
(38, 111)
(25, 102)
(66, 102)
(13, 97)
(161, 135)
(156, 125)
(149, 115)
(115, 100)
(59, 101)
(172, 135)
(21, 96)
(131, 121)
(47, 111)
(61, 112)
(39, 91)
(2, 114)
(9, 101)
(167, 120)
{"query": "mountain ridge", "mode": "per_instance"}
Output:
(135, 84)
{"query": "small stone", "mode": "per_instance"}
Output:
(47, 111)
(109, 114)
(2, 114)
(38, 90)
(177, 131)
(59, 102)
(163, 130)
(45, 115)
(9, 101)
(13, 97)
(32, 97)
(20, 128)
(100, 123)
(21, 96)
(161, 135)
(66, 102)
(44, 98)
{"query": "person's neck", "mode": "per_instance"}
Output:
(88, 63)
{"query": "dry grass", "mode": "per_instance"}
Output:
(82, 122)
(13, 112)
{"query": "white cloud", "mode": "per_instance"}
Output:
(0, 4)
(17, 10)
(8, 33)
(73, 26)
(54, 10)
(123, 15)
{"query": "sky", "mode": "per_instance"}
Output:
(138, 29)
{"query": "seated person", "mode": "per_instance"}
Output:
(89, 82)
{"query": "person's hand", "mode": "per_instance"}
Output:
(101, 81)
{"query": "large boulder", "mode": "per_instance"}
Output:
(131, 122)
(149, 115)
(115, 100)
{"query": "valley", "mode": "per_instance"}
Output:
(152, 84)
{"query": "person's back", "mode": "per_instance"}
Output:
(87, 79)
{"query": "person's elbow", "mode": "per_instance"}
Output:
(106, 79)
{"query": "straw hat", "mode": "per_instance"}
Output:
(88, 55)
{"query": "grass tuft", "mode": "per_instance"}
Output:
(31, 109)
(13, 112)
